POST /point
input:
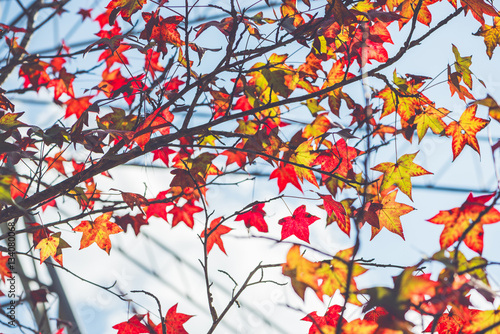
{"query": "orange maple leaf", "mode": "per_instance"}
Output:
(491, 35)
(52, 246)
(400, 173)
(464, 131)
(389, 215)
(457, 220)
(285, 173)
(4, 270)
(161, 30)
(336, 212)
(214, 233)
(57, 163)
(407, 8)
(63, 84)
(254, 217)
(301, 271)
(185, 214)
(98, 231)
(76, 106)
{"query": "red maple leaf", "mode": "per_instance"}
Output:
(158, 209)
(63, 84)
(297, 224)
(151, 62)
(162, 154)
(115, 56)
(285, 174)
(457, 220)
(136, 222)
(132, 326)
(85, 13)
(337, 159)
(4, 270)
(335, 208)
(174, 322)
(76, 106)
(34, 74)
(254, 217)
(185, 214)
(126, 7)
(160, 120)
(330, 318)
(214, 233)
(18, 189)
(161, 30)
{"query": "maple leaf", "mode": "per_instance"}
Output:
(214, 233)
(98, 231)
(52, 246)
(76, 106)
(285, 173)
(162, 154)
(57, 163)
(112, 55)
(158, 209)
(304, 156)
(338, 159)
(5, 103)
(151, 62)
(409, 290)
(331, 317)
(399, 174)
(63, 84)
(462, 65)
(132, 326)
(254, 217)
(136, 222)
(454, 80)
(430, 117)
(464, 131)
(491, 35)
(297, 224)
(334, 275)
(457, 220)
(18, 189)
(301, 271)
(389, 215)
(239, 157)
(34, 74)
(407, 8)
(85, 13)
(494, 108)
(482, 320)
(174, 322)
(126, 7)
(477, 7)
(161, 30)
(160, 120)
(4, 270)
(184, 214)
(336, 212)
